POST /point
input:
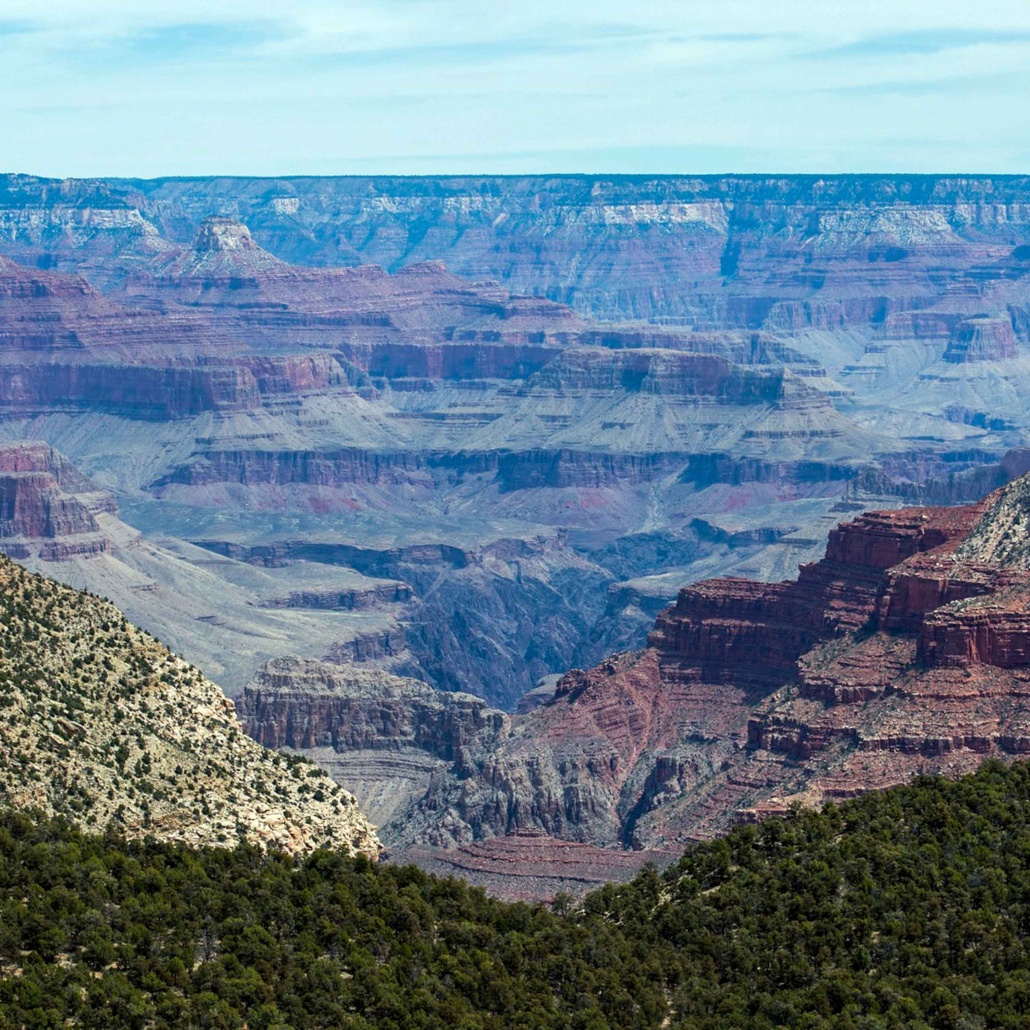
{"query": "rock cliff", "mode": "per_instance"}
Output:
(845, 249)
(906, 649)
(47, 507)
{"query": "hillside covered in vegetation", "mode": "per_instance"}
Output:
(101, 723)
(902, 909)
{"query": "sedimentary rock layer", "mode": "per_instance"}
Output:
(47, 507)
(786, 252)
(895, 654)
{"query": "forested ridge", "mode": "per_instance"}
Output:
(909, 908)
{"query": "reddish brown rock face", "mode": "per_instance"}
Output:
(734, 631)
(937, 678)
(225, 326)
(881, 540)
(994, 632)
(531, 866)
(753, 633)
(48, 508)
(896, 654)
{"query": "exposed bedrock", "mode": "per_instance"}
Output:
(994, 631)
(166, 390)
(486, 355)
(31, 505)
(394, 739)
(707, 469)
(902, 651)
(138, 391)
(640, 727)
(504, 774)
(937, 681)
(928, 325)
(490, 620)
(179, 385)
(48, 508)
(530, 865)
(512, 470)
(982, 339)
(367, 560)
(496, 635)
(734, 629)
(1020, 314)
(39, 457)
(238, 334)
(572, 468)
(753, 633)
(881, 540)
(843, 250)
(628, 617)
(373, 647)
(940, 476)
(307, 468)
(919, 586)
(666, 372)
(342, 600)
(221, 247)
(303, 705)
(42, 311)
(901, 642)
(772, 312)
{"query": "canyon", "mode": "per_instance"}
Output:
(429, 444)
(904, 651)
(333, 411)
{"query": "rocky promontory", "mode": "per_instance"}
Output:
(47, 507)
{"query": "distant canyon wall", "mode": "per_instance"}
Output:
(691, 248)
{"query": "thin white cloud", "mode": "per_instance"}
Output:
(450, 85)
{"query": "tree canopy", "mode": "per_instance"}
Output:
(909, 908)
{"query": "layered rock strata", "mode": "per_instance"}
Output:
(47, 508)
(786, 253)
(906, 649)
(254, 380)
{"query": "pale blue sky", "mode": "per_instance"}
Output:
(107, 87)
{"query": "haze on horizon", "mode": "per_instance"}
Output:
(451, 86)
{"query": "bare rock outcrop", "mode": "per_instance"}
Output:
(982, 339)
(47, 508)
(392, 740)
(936, 679)
(905, 650)
(304, 704)
(223, 248)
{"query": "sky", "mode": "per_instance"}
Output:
(248, 87)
